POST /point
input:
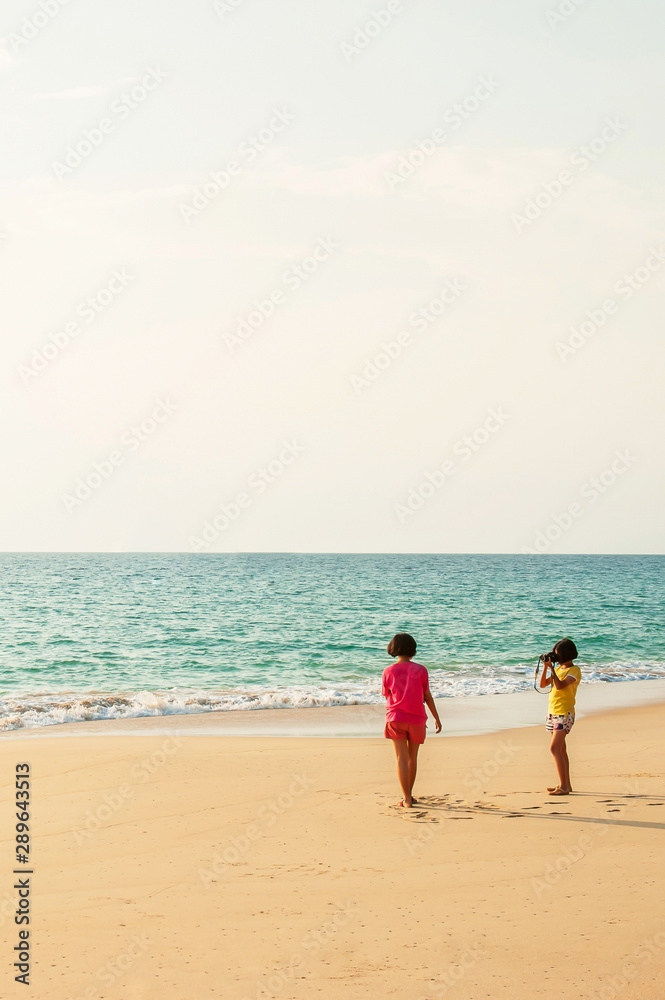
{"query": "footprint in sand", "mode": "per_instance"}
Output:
(654, 803)
(409, 814)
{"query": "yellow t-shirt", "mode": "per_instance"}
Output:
(562, 702)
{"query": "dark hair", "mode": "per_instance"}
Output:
(402, 644)
(566, 650)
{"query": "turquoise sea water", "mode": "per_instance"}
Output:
(91, 636)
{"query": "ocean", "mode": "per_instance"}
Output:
(121, 635)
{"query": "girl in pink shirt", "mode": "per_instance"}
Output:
(406, 687)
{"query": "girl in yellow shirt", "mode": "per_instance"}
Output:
(564, 678)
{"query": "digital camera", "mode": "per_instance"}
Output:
(564, 651)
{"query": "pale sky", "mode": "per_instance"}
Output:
(419, 310)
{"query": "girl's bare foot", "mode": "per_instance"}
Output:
(405, 804)
(555, 788)
(560, 791)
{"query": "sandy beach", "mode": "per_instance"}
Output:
(172, 866)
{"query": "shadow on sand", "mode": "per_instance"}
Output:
(433, 803)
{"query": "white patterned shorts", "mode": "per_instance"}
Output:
(555, 723)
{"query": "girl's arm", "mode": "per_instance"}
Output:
(429, 701)
(544, 681)
(561, 684)
(555, 679)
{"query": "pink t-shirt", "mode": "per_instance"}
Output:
(405, 685)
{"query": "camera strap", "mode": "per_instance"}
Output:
(535, 679)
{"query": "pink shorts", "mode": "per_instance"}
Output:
(405, 731)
